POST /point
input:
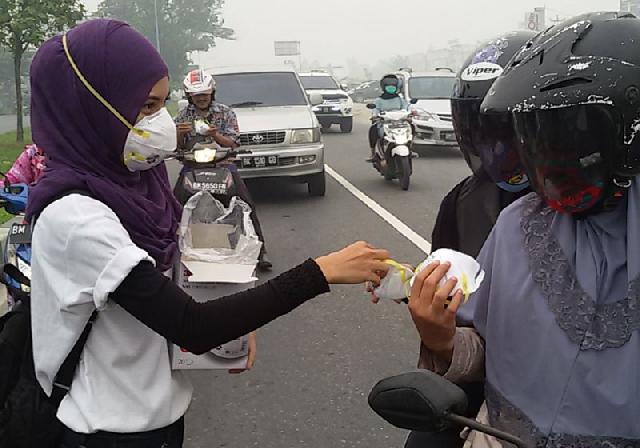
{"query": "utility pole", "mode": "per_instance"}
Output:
(155, 9)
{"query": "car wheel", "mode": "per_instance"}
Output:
(346, 126)
(317, 184)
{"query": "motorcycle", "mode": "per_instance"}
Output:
(17, 244)
(204, 170)
(392, 157)
(424, 401)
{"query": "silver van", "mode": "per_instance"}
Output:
(277, 125)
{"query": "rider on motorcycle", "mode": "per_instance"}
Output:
(200, 90)
(388, 101)
(470, 210)
(555, 327)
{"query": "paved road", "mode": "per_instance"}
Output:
(316, 366)
(8, 123)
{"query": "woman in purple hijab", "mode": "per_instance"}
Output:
(555, 322)
(105, 232)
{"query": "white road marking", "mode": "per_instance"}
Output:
(394, 222)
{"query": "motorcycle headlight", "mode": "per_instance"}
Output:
(204, 155)
(300, 136)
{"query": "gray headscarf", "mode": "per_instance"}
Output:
(559, 310)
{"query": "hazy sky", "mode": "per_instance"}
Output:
(369, 30)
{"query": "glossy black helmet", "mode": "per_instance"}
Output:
(488, 142)
(575, 96)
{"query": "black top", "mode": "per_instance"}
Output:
(469, 212)
(160, 304)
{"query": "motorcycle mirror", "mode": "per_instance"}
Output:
(316, 99)
(417, 401)
(426, 402)
(414, 101)
(371, 106)
(204, 155)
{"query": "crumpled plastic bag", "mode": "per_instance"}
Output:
(465, 268)
(243, 242)
(396, 284)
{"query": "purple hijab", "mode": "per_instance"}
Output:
(84, 142)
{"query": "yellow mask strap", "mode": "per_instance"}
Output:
(403, 274)
(95, 93)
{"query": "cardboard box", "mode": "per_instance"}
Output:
(208, 281)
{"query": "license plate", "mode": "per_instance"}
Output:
(259, 161)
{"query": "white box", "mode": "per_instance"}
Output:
(208, 281)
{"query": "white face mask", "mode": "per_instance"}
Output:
(152, 140)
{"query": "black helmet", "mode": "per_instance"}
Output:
(575, 96)
(488, 142)
(390, 80)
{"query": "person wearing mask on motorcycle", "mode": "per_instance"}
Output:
(389, 100)
(470, 210)
(555, 325)
(200, 89)
(106, 232)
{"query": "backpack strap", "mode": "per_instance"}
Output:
(64, 377)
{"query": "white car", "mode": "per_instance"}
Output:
(337, 105)
(432, 90)
(276, 124)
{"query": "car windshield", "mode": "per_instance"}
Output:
(426, 87)
(259, 90)
(318, 83)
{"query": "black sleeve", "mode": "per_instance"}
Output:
(160, 304)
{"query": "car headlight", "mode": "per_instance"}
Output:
(422, 114)
(300, 136)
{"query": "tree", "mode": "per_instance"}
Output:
(7, 82)
(25, 24)
(183, 27)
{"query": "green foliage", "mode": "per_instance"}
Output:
(26, 24)
(184, 26)
(29, 23)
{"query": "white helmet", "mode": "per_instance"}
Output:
(197, 81)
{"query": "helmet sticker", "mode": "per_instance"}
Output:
(482, 71)
(491, 53)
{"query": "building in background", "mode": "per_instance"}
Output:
(536, 20)
(632, 6)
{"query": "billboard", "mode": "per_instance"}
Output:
(287, 47)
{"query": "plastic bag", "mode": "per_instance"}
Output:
(230, 231)
(463, 267)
